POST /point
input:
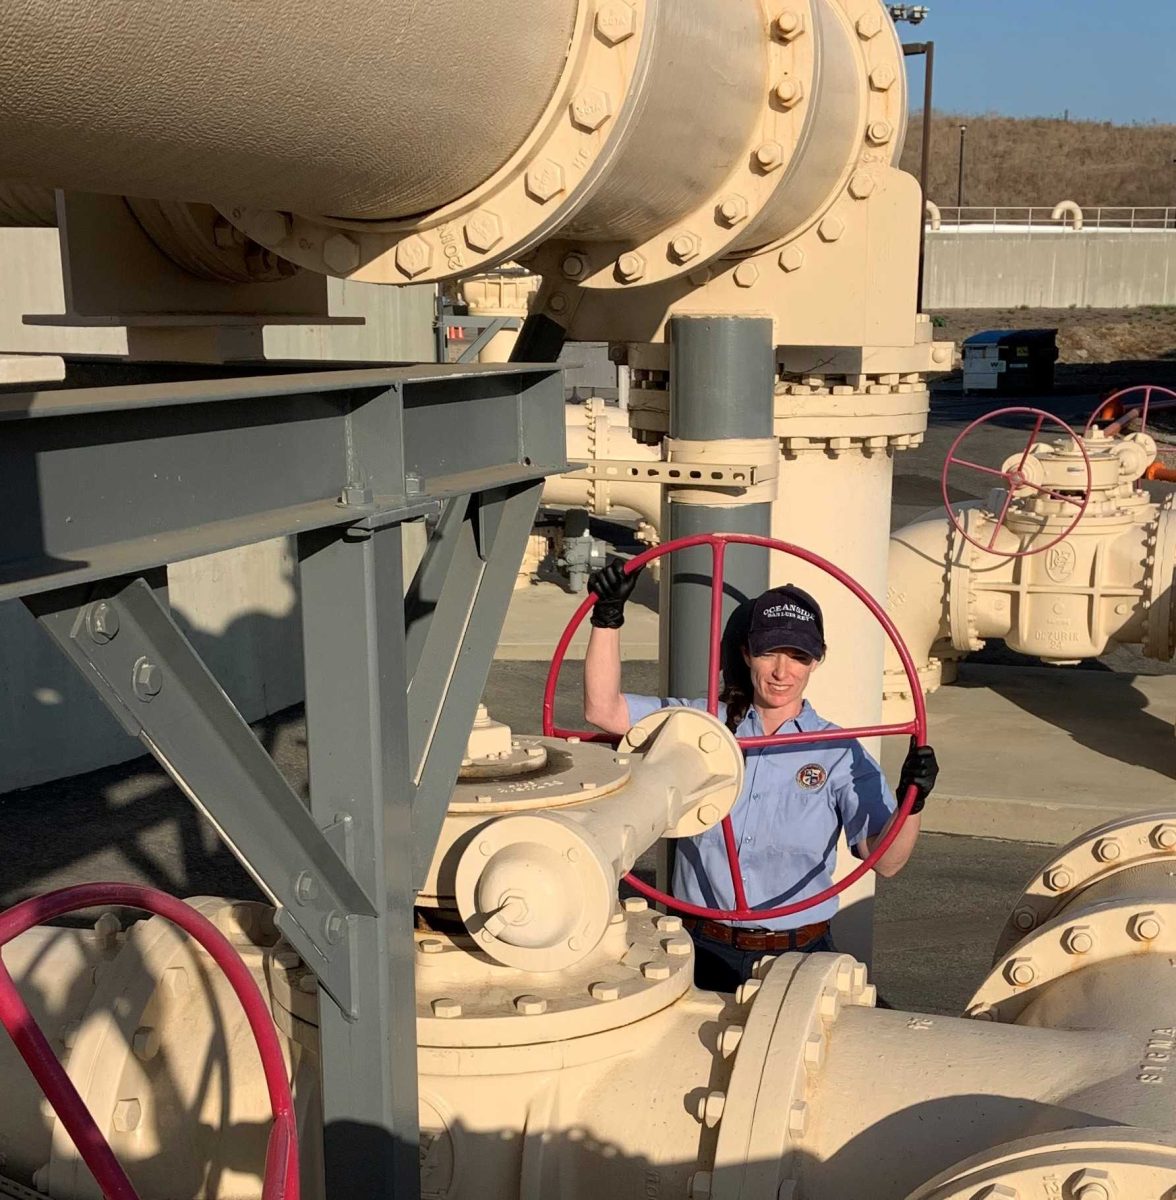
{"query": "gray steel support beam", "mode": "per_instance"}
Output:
(454, 614)
(357, 738)
(722, 375)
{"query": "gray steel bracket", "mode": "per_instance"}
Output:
(127, 644)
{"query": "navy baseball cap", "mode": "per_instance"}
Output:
(786, 617)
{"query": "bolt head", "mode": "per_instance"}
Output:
(1058, 879)
(334, 927)
(558, 303)
(746, 274)
(882, 78)
(340, 253)
(732, 209)
(1092, 1183)
(574, 265)
(1107, 849)
(791, 258)
(145, 1043)
(655, 970)
(414, 256)
(483, 231)
(306, 887)
(769, 156)
(684, 247)
(148, 679)
(616, 22)
(530, 1006)
(708, 814)
(869, 25)
(788, 25)
(127, 1115)
(861, 185)
(678, 947)
(1163, 837)
(669, 924)
(270, 228)
(710, 1111)
(631, 266)
(700, 1185)
(789, 92)
(604, 991)
(1024, 919)
(545, 180)
(729, 1040)
(1145, 926)
(1078, 939)
(879, 132)
(591, 108)
(635, 904)
(445, 1007)
(430, 946)
(1021, 972)
(830, 229)
(747, 989)
(103, 622)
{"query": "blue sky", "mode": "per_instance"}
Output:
(1104, 60)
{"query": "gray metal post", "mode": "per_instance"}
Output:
(722, 372)
(357, 734)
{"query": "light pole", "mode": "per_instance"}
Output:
(960, 185)
(927, 49)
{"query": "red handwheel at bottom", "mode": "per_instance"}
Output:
(916, 728)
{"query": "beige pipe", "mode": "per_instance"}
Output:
(358, 108)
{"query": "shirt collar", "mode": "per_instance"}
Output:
(806, 721)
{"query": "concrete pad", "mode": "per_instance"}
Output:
(1042, 754)
(539, 613)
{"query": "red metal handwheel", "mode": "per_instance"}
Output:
(1014, 481)
(1116, 411)
(917, 727)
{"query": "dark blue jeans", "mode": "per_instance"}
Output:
(719, 967)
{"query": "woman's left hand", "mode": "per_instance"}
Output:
(921, 768)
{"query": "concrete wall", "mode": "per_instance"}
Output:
(1086, 268)
(240, 609)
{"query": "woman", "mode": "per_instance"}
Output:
(796, 801)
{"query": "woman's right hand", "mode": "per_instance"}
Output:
(611, 586)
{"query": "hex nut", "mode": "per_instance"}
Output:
(1163, 837)
(147, 679)
(591, 108)
(869, 25)
(545, 180)
(879, 132)
(669, 924)
(729, 1040)
(746, 274)
(145, 1043)
(708, 814)
(127, 1115)
(655, 970)
(1091, 1183)
(630, 266)
(791, 258)
(788, 25)
(685, 246)
(882, 78)
(340, 253)
(769, 156)
(830, 229)
(1024, 919)
(709, 742)
(789, 92)
(557, 302)
(678, 947)
(1020, 972)
(700, 1185)
(1107, 849)
(747, 989)
(574, 266)
(445, 1007)
(530, 1006)
(1145, 926)
(1078, 939)
(861, 184)
(710, 1108)
(635, 904)
(732, 209)
(1058, 879)
(616, 22)
(604, 991)
(798, 1119)
(414, 256)
(483, 231)
(814, 1052)
(103, 622)
(270, 227)
(430, 946)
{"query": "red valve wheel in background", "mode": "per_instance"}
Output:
(1114, 410)
(1014, 480)
(281, 1181)
(917, 727)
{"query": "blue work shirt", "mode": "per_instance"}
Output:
(788, 818)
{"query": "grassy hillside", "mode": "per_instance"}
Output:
(1039, 161)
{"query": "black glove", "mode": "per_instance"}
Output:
(920, 768)
(611, 587)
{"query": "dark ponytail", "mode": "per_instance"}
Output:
(736, 692)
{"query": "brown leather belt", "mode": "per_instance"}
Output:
(759, 939)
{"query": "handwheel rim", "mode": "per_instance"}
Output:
(1014, 479)
(916, 728)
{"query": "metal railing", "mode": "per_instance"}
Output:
(1001, 218)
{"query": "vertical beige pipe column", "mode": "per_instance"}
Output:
(836, 473)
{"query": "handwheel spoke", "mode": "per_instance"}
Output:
(963, 462)
(733, 864)
(829, 735)
(715, 666)
(1004, 512)
(1031, 442)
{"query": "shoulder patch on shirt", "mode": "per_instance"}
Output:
(811, 776)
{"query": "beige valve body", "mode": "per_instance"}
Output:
(615, 1076)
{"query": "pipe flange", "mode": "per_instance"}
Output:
(1070, 942)
(1095, 855)
(715, 225)
(532, 195)
(793, 1001)
(961, 598)
(1160, 634)
(1077, 1164)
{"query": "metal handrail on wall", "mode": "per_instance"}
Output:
(998, 218)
